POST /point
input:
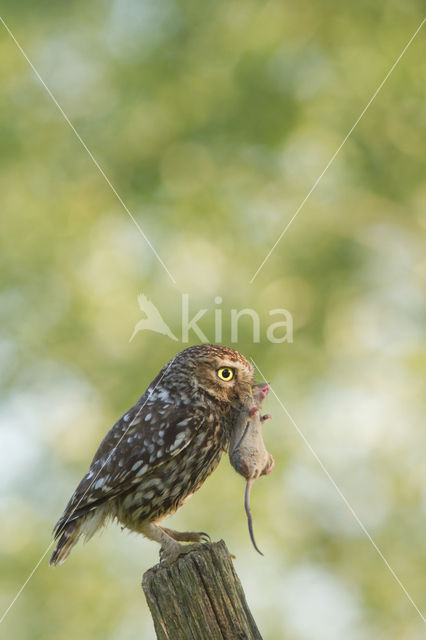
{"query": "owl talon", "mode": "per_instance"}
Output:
(204, 537)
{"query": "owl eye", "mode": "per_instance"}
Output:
(225, 373)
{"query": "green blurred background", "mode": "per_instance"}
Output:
(213, 120)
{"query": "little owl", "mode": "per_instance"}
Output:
(161, 451)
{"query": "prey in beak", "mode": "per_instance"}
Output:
(247, 451)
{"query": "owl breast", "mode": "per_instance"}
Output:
(172, 483)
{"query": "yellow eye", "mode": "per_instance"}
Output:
(225, 373)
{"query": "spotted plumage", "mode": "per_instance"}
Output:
(161, 451)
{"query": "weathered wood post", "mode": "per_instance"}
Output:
(199, 597)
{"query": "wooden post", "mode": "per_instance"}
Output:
(199, 597)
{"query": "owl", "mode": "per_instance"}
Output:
(160, 451)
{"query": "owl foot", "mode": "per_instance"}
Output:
(170, 541)
(187, 536)
(170, 553)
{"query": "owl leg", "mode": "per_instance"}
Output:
(187, 536)
(170, 548)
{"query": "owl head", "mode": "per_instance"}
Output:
(221, 372)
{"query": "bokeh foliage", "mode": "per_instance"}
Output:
(213, 120)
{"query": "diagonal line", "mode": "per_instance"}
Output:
(92, 157)
(84, 494)
(343, 497)
(26, 582)
(317, 181)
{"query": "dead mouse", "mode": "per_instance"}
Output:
(247, 451)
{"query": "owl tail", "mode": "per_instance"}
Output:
(68, 538)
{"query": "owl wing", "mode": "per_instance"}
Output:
(148, 435)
